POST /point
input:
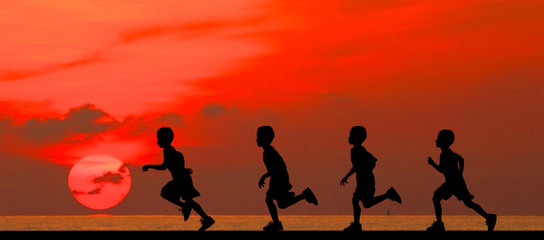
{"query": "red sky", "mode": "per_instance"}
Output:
(86, 77)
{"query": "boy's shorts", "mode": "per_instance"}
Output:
(282, 197)
(180, 190)
(364, 193)
(458, 189)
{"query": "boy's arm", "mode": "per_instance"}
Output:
(433, 164)
(345, 179)
(156, 167)
(261, 181)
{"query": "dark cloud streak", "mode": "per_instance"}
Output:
(9, 75)
(112, 177)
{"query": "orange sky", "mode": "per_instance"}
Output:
(86, 77)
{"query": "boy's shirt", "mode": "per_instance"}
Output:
(449, 165)
(174, 162)
(364, 162)
(276, 168)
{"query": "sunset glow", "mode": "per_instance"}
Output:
(79, 78)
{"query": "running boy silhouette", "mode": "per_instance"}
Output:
(181, 185)
(363, 163)
(451, 165)
(279, 186)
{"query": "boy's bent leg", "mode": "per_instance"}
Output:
(309, 196)
(288, 199)
(393, 195)
(171, 195)
(368, 203)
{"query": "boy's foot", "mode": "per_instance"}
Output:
(393, 195)
(309, 196)
(436, 227)
(206, 223)
(491, 220)
(273, 226)
(354, 227)
(186, 212)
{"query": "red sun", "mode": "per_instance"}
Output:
(99, 181)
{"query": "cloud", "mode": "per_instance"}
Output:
(109, 177)
(214, 109)
(83, 123)
(80, 124)
(81, 131)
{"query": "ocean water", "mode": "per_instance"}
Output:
(256, 222)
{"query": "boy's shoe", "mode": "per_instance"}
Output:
(436, 227)
(309, 196)
(186, 212)
(206, 223)
(491, 220)
(354, 227)
(393, 195)
(273, 226)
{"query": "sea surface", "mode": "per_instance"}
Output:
(256, 222)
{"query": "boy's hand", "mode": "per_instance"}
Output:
(261, 182)
(343, 181)
(430, 161)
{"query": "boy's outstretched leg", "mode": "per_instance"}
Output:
(490, 219)
(206, 220)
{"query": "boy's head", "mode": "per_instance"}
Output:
(165, 136)
(265, 135)
(357, 135)
(445, 138)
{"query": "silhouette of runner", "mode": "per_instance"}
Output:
(181, 185)
(279, 186)
(451, 165)
(363, 163)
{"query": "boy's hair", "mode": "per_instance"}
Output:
(265, 133)
(166, 134)
(446, 136)
(358, 133)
